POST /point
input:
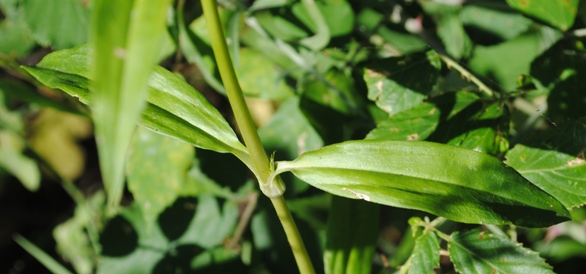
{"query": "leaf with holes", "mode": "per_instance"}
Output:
(481, 252)
(459, 184)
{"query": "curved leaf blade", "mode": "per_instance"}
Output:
(480, 252)
(174, 108)
(456, 183)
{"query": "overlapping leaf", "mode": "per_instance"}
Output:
(555, 162)
(482, 252)
(174, 108)
(400, 83)
(456, 183)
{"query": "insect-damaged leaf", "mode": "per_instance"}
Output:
(459, 184)
(173, 108)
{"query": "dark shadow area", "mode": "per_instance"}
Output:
(175, 220)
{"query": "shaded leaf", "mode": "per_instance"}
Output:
(554, 161)
(456, 183)
(14, 33)
(560, 14)
(278, 26)
(562, 69)
(426, 254)
(400, 83)
(150, 153)
(174, 108)
(482, 252)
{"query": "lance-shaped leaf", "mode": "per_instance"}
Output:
(459, 184)
(174, 108)
(125, 50)
(481, 252)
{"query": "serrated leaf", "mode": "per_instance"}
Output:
(482, 252)
(150, 153)
(560, 14)
(400, 83)
(456, 183)
(174, 108)
(555, 162)
(70, 30)
(425, 256)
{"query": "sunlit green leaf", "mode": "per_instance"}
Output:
(501, 24)
(483, 252)
(400, 83)
(150, 153)
(426, 254)
(309, 13)
(70, 30)
(451, 31)
(416, 123)
(555, 162)
(259, 77)
(456, 183)
(174, 108)
(504, 62)
(560, 14)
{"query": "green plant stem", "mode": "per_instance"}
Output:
(260, 161)
(469, 76)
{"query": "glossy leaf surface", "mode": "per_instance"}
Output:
(459, 184)
(482, 252)
(174, 108)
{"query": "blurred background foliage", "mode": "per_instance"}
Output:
(313, 75)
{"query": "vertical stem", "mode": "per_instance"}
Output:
(260, 161)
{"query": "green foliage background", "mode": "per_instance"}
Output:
(502, 80)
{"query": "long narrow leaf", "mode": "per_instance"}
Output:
(41, 256)
(460, 184)
(125, 49)
(173, 107)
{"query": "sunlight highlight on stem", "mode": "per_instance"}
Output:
(249, 134)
